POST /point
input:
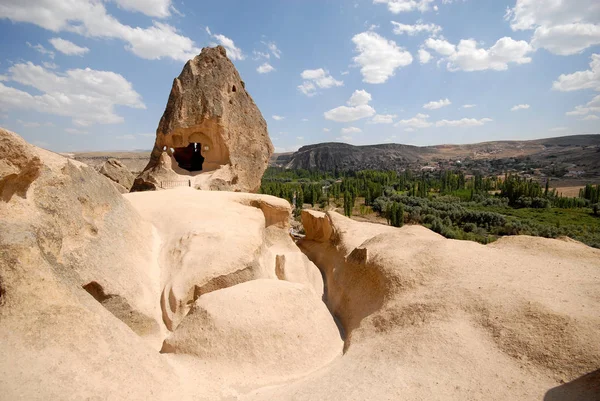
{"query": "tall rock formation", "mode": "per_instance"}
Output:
(211, 134)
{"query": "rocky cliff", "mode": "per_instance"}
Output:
(211, 133)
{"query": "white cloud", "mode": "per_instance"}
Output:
(562, 27)
(591, 117)
(300, 138)
(593, 106)
(434, 105)
(520, 107)
(326, 130)
(468, 57)
(88, 96)
(273, 49)
(304, 119)
(89, 18)
(50, 66)
(566, 40)
(359, 98)
(424, 56)
(345, 72)
(350, 130)
(421, 121)
(344, 138)
(152, 8)
(418, 121)
(265, 68)
(358, 108)
(403, 6)
(378, 57)
(588, 79)
(39, 48)
(278, 118)
(465, 122)
(441, 46)
(409, 129)
(318, 78)
(308, 88)
(415, 29)
(468, 106)
(67, 47)
(148, 134)
(383, 119)
(346, 114)
(126, 137)
(233, 52)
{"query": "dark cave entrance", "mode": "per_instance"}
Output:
(190, 157)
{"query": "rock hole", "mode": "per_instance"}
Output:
(96, 290)
(233, 89)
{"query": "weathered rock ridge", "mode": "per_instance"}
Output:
(118, 173)
(211, 133)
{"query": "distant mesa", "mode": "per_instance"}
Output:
(211, 134)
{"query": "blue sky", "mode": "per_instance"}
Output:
(96, 75)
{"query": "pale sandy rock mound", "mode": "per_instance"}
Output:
(431, 318)
(211, 133)
(118, 173)
(273, 326)
(75, 293)
(214, 240)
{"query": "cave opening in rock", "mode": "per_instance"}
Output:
(190, 157)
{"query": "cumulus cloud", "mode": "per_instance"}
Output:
(468, 106)
(464, 122)
(67, 47)
(90, 18)
(422, 121)
(351, 130)
(412, 30)
(434, 105)
(40, 49)
(418, 121)
(424, 56)
(273, 49)
(87, 96)
(562, 27)
(357, 109)
(403, 6)
(379, 57)
(588, 79)
(383, 119)
(265, 68)
(520, 107)
(152, 8)
(278, 118)
(319, 78)
(591, 117)
(593, 106)
(233, 52)
(359, 98)
(326, 130)
(466, 56)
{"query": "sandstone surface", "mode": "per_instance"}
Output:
(211, 134)
(188, 294)
(118, 173)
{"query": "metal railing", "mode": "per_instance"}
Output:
(173, 184)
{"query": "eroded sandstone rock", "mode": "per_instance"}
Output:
(211, 132)
(118, 173)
